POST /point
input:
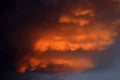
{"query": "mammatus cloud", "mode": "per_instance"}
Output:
(78, 28)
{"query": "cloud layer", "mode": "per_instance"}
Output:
(57, 28)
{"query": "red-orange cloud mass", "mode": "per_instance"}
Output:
(80, 28)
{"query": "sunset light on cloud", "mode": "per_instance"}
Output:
(77, 29)
(60, 40)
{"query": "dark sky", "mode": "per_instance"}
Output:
(52, 32)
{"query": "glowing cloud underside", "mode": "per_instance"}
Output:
(76, 30)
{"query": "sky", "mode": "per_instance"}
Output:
(60, 40)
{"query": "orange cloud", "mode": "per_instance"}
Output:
(97, 38)
(84, 12)
(77, 17)
(76, 30)
(70, 20)
(55, 64)
(65, 19)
